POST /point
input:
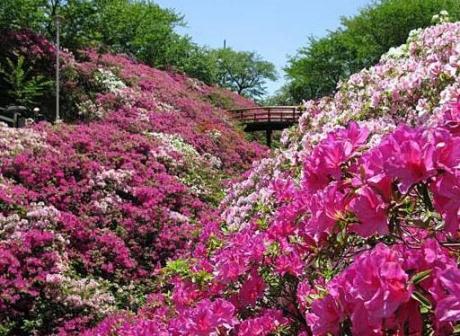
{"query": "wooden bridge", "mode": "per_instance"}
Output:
(267, 118)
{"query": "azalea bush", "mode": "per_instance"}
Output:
(107, 226)
(137, 97)
(91, 211)
(351, 228)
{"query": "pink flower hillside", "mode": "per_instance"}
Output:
(91, 211)
(353, 228)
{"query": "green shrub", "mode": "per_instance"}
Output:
(21, 87)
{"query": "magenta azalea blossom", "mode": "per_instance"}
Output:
(371, 212)
(407, 157)
(448, 307)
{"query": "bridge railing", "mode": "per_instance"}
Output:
(13, 116)
(267, 114)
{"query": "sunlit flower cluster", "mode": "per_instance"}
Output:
(352, 228)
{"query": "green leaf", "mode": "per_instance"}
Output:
(179, 266)
(456, 330)
(22, 88)
(262, 223)
(273, 249)
(424, 301)
(214, 243)
(420, 276)
(201, 277)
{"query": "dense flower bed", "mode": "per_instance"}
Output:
(91, 211)
(352, 228)
(168, 103)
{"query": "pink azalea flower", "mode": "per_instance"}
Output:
(371, 212)
(289, 264)
(263, 325)
(326, 207)
(204, 319)
(448, 307)
(303, 291)
(251, 290)
(446, 191)
(452, 118)
(325, 316)
(407, 157)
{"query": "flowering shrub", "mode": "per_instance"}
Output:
(352, 228)
(117, 215)
(90, 212)
(139, 98)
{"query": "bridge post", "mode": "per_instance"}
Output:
(268, 134)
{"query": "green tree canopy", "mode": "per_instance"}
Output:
(315, 70)
(16, 14)
(21, 86)
(243, 72)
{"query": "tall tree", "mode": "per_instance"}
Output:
(317, 68)
(243, 72)
(16, 14)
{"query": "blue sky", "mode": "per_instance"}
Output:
(273, 28)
